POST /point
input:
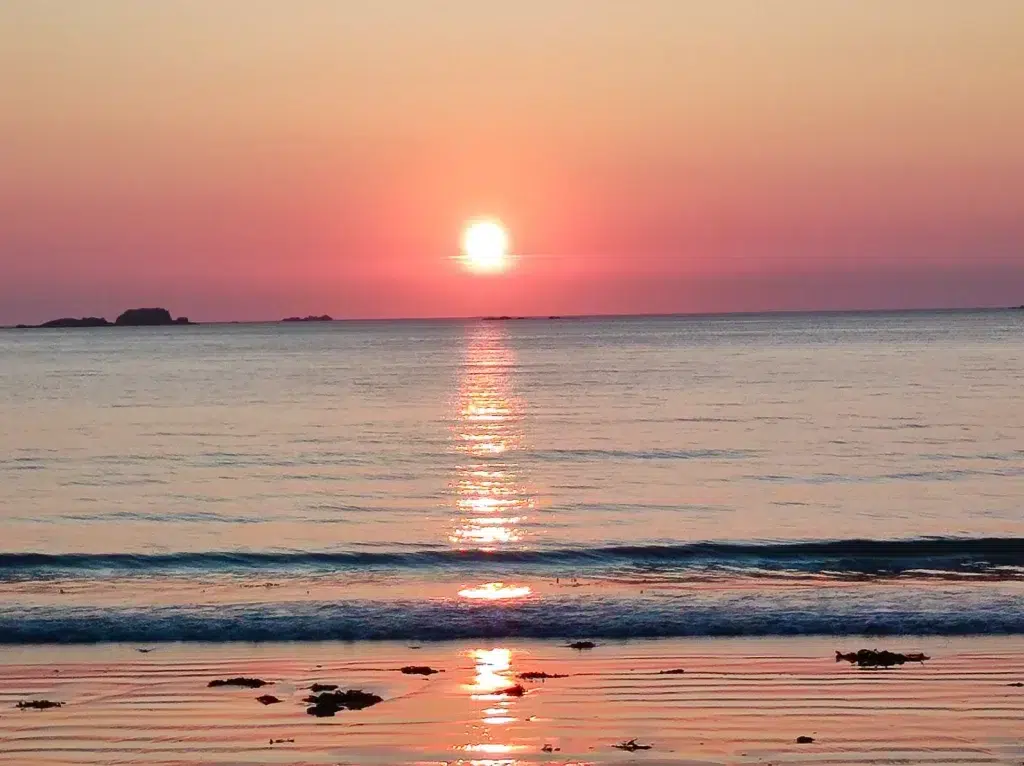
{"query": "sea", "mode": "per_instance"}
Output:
(577, 478)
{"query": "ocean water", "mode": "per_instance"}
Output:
(576, 478)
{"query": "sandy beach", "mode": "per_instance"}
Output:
(738, 701)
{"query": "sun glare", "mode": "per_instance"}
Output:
(485, 247)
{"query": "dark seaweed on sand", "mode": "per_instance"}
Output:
(537, 675)
(247, 683)
(872, 658)
(516, 690)
(631, 746)
(326, 704)
(38, 705)
(419, 670)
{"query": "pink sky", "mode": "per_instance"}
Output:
(248, 159)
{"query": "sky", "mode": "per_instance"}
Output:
(253, 159)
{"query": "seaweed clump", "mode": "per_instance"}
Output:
(516, 690)
(326, 704)
(419, 670)
(38, 705)
(872, 658)
(537, 675)
(247, 683)
(631, 746)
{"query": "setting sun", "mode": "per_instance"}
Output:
(485, 246)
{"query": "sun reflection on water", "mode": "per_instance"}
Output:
(496, 591)
(492, 511)
(491, 502)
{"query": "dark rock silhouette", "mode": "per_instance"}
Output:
(317, 688)
(268, 699)
(673, 672)
(155, 317)
(804, 740)
(310, 318)
(73, 322)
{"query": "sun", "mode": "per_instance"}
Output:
(485, 246)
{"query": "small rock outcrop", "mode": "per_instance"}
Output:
(310, 318)
(805, 740)
(73, 322)
(268, 699)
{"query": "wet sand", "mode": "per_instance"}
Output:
(738, 701)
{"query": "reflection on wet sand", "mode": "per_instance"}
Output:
(493, 676)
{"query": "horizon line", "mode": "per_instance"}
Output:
(556, 317)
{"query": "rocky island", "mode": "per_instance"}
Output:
(153, 317)
(310, 318)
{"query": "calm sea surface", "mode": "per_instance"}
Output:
(854, 473)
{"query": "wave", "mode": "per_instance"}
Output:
(896, 613)
(850, 556)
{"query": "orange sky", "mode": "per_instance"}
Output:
(247, 159)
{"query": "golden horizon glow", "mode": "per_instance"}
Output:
(485, 247)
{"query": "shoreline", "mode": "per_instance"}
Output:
(737, 701)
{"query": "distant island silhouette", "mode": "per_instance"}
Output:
(310, 318)
(148, 317)
(504, 318)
